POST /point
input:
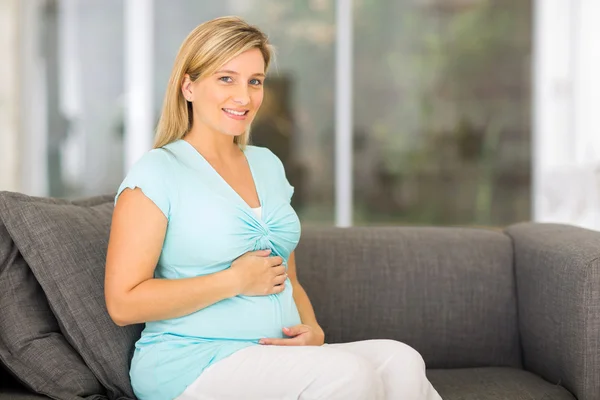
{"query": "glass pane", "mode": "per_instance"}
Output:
(81, 46)
(296, 120)
(442, 112)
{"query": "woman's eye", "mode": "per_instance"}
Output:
(226, 79)
(256, 82)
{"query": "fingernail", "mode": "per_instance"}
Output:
(261, 341)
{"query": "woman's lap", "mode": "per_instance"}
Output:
(332, 371)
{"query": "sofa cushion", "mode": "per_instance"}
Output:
(494, 384)
(19, 394)
(447, 292)
(31, 344)
(64, 244)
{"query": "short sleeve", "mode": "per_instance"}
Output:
(287, 188)
(150, 174)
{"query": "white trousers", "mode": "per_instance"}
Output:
(366, 370)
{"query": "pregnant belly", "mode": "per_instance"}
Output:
(236, 318)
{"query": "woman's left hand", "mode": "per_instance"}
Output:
(299, 335)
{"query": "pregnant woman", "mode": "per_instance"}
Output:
(202, 246)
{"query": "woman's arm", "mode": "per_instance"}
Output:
(305, 308)
(132, 293)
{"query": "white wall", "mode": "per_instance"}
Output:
(9, 117)
(566, 157)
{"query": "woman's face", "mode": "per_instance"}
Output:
(227, 101)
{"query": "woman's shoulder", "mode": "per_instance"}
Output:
(264, 154)
(152, 173)
(154, 161)
(153, 168)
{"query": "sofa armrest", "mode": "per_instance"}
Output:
(558, 293)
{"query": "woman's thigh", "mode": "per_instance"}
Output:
(287, 372)
(401, 368)
(380, 352)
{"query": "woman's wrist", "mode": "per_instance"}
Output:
(232, 281)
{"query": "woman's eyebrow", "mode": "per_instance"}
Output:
(226, 71)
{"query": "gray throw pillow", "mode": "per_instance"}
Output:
(7, 380)
(31, 344)
(64, 243)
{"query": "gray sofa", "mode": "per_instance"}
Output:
(496, 315)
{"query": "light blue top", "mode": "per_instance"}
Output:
(209, 226)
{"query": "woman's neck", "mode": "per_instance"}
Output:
(212, 144)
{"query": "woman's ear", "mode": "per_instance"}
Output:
(186, 88)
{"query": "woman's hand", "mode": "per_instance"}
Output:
(299, 335)
(259, 274)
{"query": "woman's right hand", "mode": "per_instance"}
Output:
(259, 274)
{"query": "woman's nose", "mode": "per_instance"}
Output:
(242, 96)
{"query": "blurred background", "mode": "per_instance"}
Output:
(420, 112)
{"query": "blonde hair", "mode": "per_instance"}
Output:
(209, 46)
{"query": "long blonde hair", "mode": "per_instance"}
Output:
(209, 46)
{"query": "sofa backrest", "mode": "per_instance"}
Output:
(447, 292)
